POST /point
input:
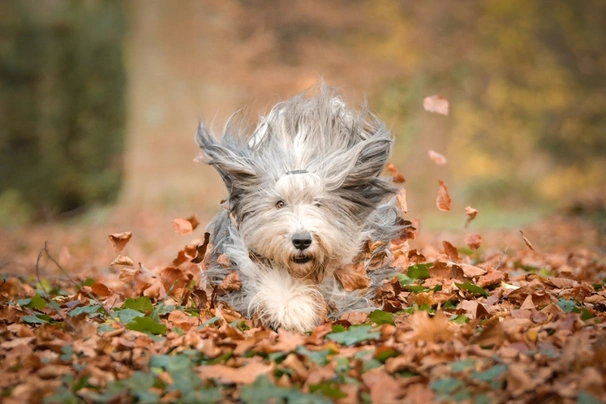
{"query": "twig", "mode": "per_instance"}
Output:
(90, 296)
(48, 298)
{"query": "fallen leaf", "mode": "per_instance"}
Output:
(100, 289)
(395, 174)
(201, 249)
(437, 158)
(246, 374)
(473, 240)
(443, 201)
(383, 387)
(526, 241)
(123, 261)
(436, 328)
(401, 200)
(185, 226)
(353, 277)
(471, 214)
(119, 240)
(224, 261)
(451, 251)
(436, 103)
(231, 282)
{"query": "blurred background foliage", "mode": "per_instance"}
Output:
(62, 112)
(526, 82)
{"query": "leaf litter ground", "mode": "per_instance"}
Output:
(459, 323)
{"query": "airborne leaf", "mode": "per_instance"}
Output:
(444, 202)
(119, 240)
(437, 158)
(436, 103)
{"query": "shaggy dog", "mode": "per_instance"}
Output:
(305, 197)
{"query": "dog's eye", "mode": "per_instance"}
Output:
(280, 204)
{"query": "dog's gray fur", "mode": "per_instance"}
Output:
(311, 166)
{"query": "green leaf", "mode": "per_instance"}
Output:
(419, 271)
(84, 309)
(37, 302)
(320, 357)
(446, 386)
(470, 287)
(460, 319)
(24, 302)
(354, 335)
(36, 319)
(448, 305)
(209, 322)
(88, 282)
(460, 366)
(142, 304)
(381, 317)
(327, 389)
(587, 398)
(128, 315)
(338, 328)
(567, 305)
(370, 364)
(586, 314)
(386, 354)
(144, 324)
(415, 288)
(491, 376)
(404, 279)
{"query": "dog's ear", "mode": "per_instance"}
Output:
(370, 157)
(232, 163)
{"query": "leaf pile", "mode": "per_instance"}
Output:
(456, 324)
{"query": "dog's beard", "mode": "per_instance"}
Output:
(305, 266)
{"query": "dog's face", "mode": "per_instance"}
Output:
(300, 226)
(304, 181)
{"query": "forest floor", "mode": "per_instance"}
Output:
(511, 318)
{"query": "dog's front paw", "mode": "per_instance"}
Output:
(285, 302)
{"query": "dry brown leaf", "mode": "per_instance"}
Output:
(246, 374)
(383, 387)
(185, 226)
(231, 282)
(119, 240)
(451, 251)
(526, 241)
(471, 214)
(436, 329)
(473, 240)
(395, 174)
(444, 202)
(436, 103)
(224, 261)
(201, 249)
(472, 271)
(401, 200)
(123, 261)
(100, 289)
(353, 277)
(437, 158)
(491, 278)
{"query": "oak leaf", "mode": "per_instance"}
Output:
(444, 202)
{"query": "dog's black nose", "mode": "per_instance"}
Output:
(301, 240)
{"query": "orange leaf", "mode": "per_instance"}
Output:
(473, 240)
(401, 200)
(436, 103)
(471, 214)
(224, 261)
(395, 174)
(437, 158)
(228, 374)
(444, 202)
(528, 243)
(450, 250)
(100, 289)
(183, 226)
(123, 260)
(119, 240)
(353, 277)
(231, 282)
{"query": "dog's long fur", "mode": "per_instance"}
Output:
(311, 167)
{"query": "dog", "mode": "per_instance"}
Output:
(306, 196)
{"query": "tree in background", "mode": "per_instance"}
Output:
(62, 113)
